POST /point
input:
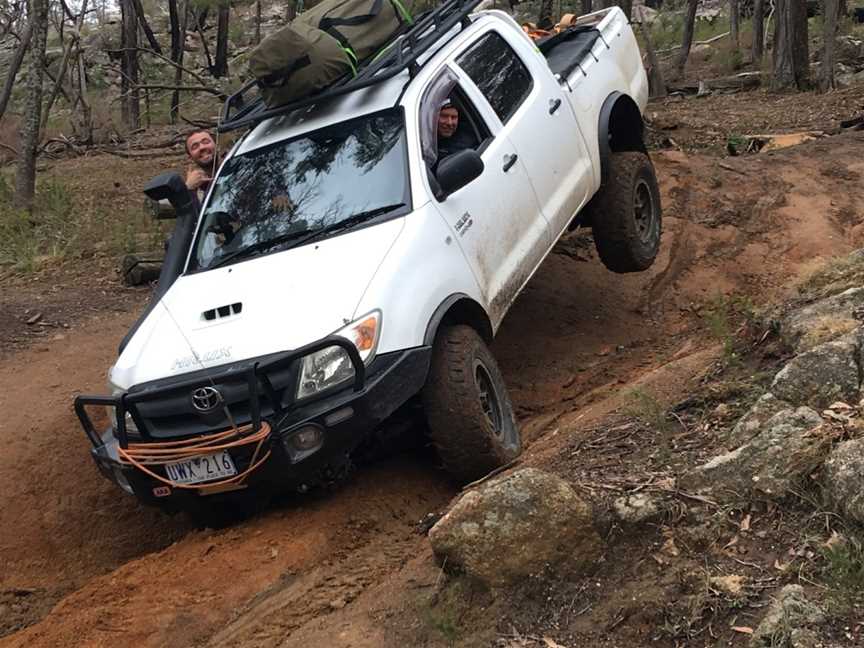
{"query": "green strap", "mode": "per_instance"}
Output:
(352, 59)
(406, 15)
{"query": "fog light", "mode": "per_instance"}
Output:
(303, 441)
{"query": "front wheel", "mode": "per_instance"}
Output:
(626, 214)
(470, 416)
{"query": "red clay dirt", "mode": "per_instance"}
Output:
(85, 565)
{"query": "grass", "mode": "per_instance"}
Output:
(843, 571)
(58, 228)
(644, 406)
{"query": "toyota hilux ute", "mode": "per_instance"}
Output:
(338, 271)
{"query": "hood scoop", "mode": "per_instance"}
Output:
(221, 312)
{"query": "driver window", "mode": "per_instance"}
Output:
(455, 125)
(460, 126)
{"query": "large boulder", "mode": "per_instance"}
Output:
(790, 445)
(749, 425)
(824, 320)
(844, 479)
(517, 526)
(823, 375)
(788, 620)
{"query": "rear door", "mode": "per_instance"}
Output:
(537, 118)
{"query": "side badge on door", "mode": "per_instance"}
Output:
(464, 223)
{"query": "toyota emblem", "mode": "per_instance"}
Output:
(206, 399)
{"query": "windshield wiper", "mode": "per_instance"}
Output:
(348, 223)
(303, 236)
(255, 248)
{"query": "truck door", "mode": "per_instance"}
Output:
(538, 120)
(495, 219)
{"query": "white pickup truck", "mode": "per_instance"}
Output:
(338, 271)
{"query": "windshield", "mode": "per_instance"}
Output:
(306, 189)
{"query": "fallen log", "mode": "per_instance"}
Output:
(734, 83)
(705, 42)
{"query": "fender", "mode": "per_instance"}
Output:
(459, 308)
(620, 129)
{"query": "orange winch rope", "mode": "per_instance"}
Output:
(141, 455)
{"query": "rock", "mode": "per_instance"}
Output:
(856, 78)
(822, 375)
(844, 479)
(516, 526)
(823, 320)
(732, 585)
(848, 49)
(790, 445)
(749, 425)
(790, 612)
(635, 509)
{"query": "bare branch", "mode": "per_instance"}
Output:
(14, 151)
(213, 91)
(146, 50)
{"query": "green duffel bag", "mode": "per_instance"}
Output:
(297, 61)
(361, 26)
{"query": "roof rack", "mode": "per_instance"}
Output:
(401, 54)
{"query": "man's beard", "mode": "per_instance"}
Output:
(209, 167)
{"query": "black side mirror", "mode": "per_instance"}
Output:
(170, 187)
(457, 170)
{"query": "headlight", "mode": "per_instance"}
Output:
(332, 366)
(112, 411)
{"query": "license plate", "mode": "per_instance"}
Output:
(201, 469)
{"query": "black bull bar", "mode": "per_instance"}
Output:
(255, 376)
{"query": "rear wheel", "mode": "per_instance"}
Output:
(626, 214)
(470, 416)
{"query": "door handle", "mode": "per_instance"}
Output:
(509, 161)
(554, 105)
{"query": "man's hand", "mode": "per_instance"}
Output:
(196, 177)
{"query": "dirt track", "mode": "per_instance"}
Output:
(343, 570)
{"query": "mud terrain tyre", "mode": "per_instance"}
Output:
(467, 407)
(626, 214)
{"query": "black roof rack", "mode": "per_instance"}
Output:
(399, 55)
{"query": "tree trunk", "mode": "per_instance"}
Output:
(626, 7)
(544, 19)
(831, 10)
(130, 104)
(200, 20)
(14, 66)
(67, 53)
(758, 30)
(586, 7)
(790, 45)
(139, 12)
(734, 31)
(84, 130)
(687, 40)
(257, 22)
(178, 38)
(656, 85)
(220, 65)
(25, 180)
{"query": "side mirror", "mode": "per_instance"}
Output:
(457, 170)
(170, 187)
(159, 209)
